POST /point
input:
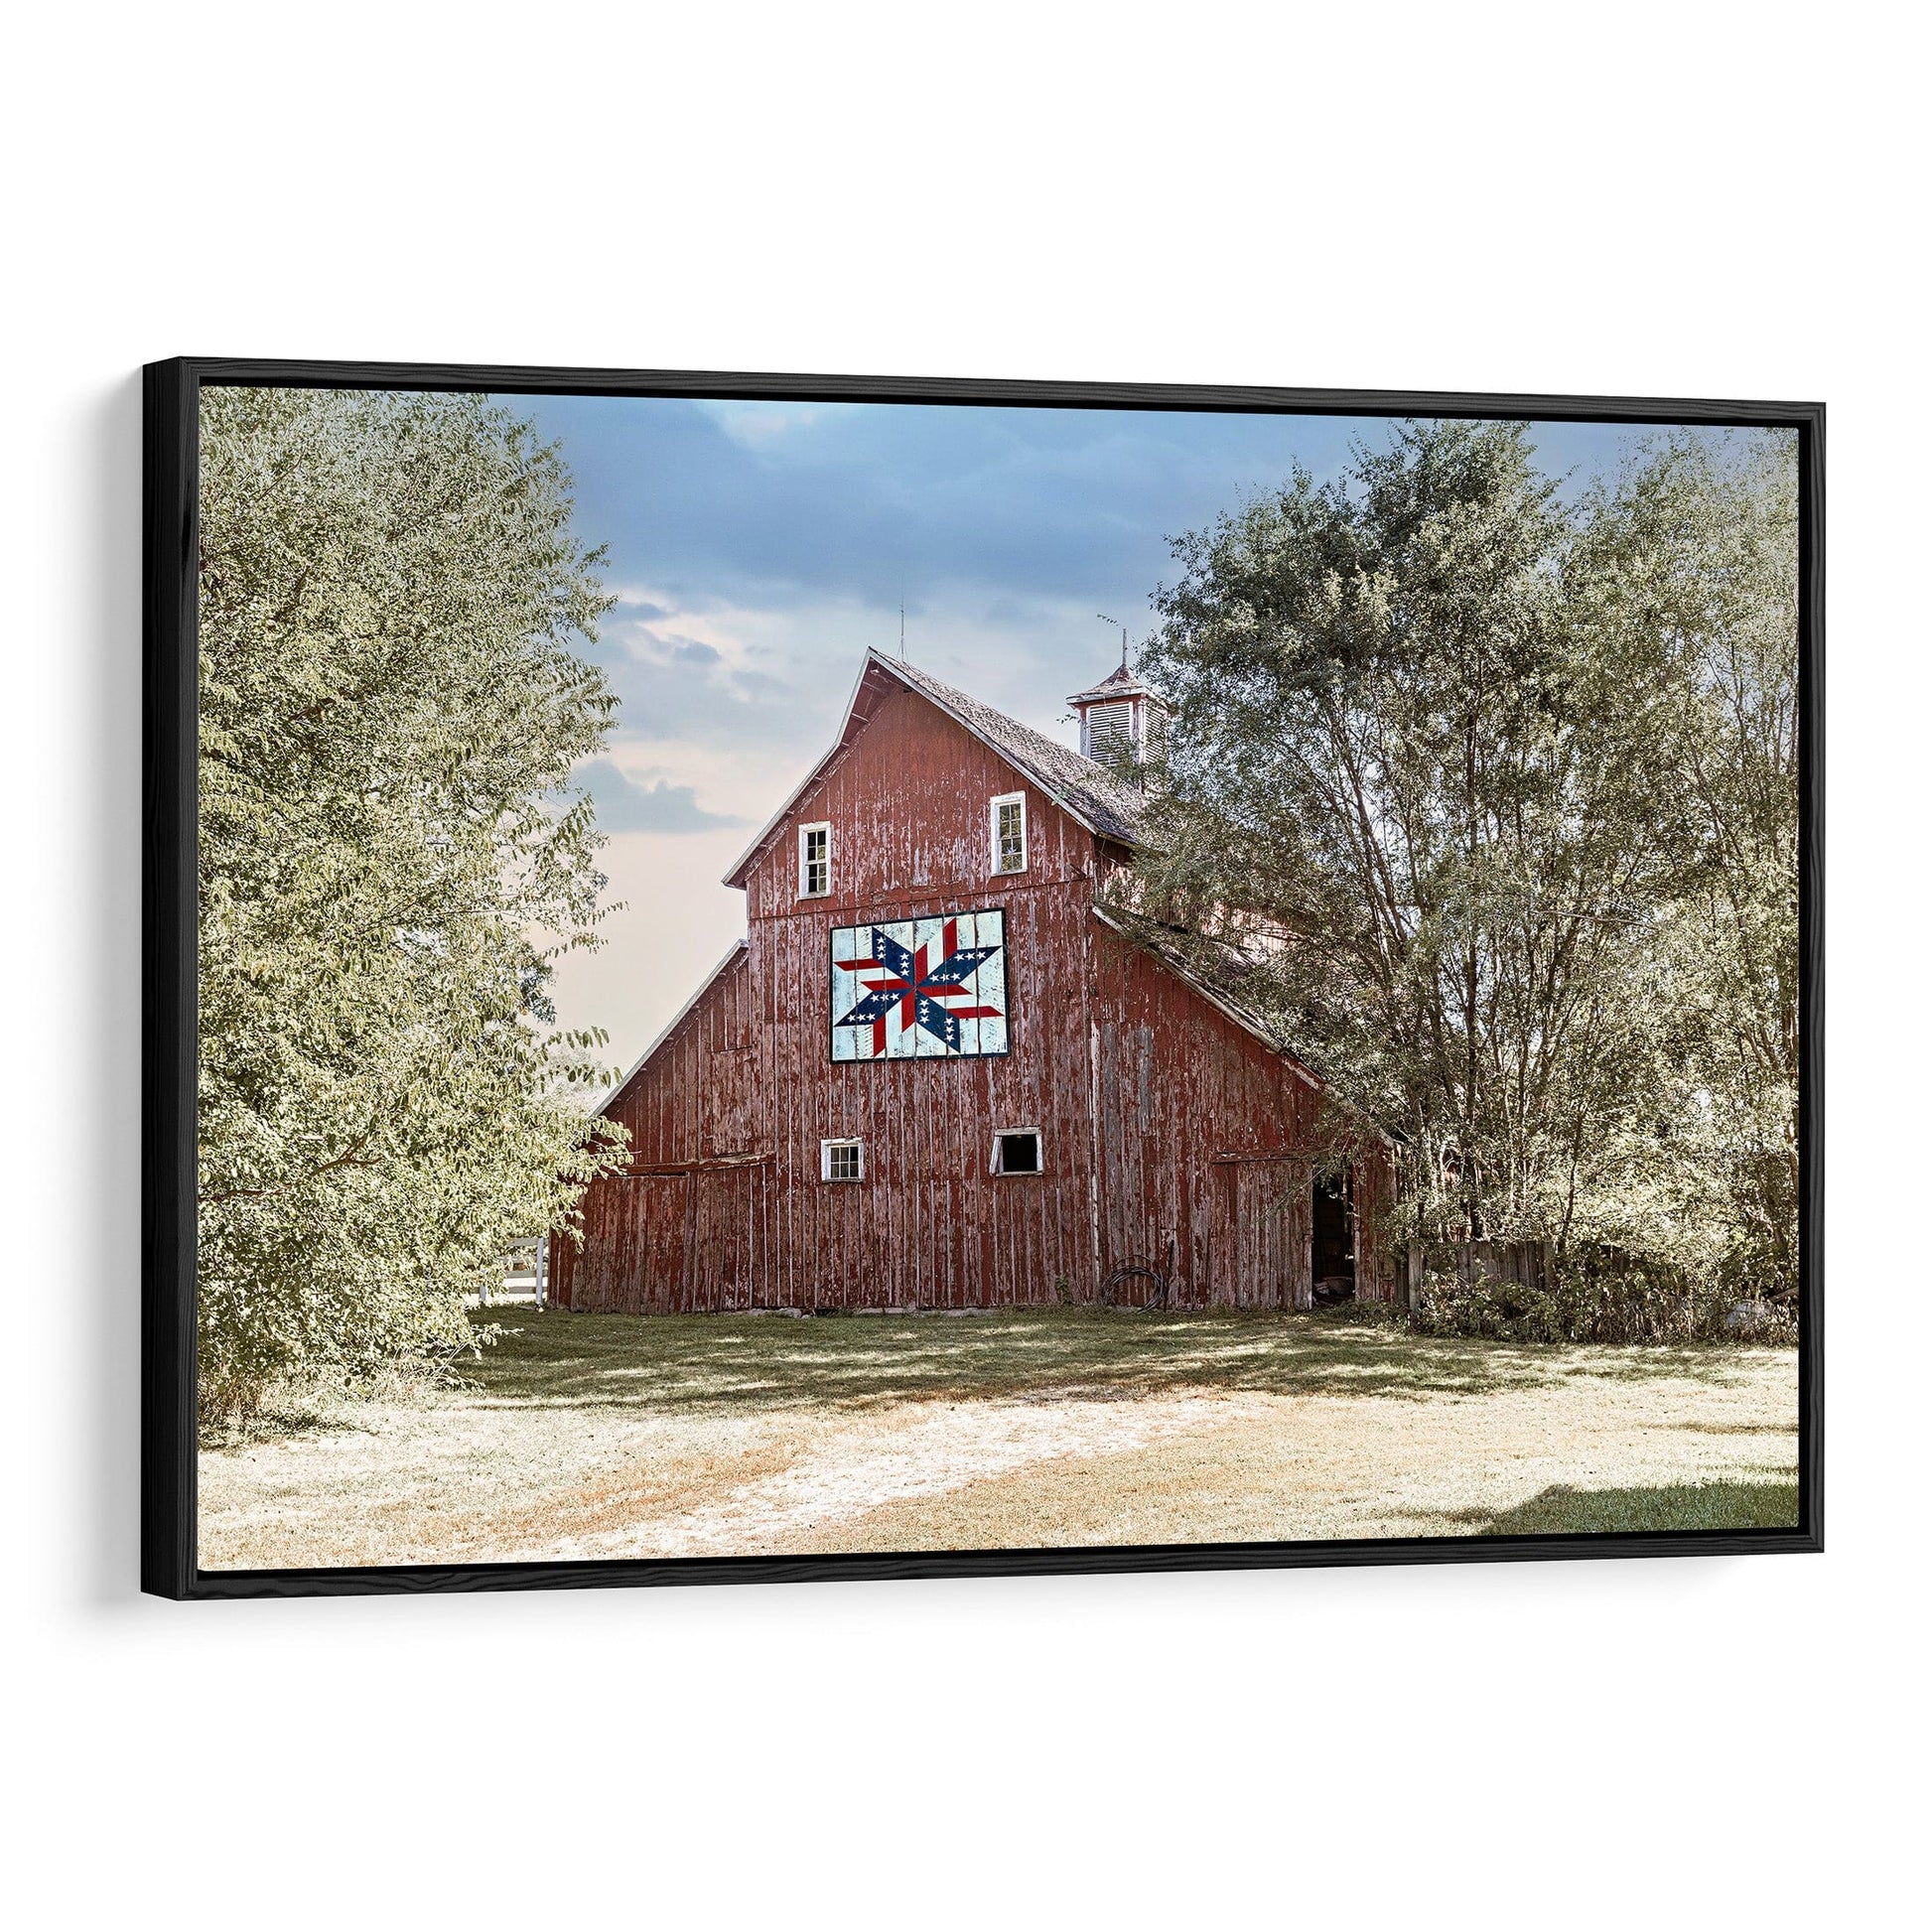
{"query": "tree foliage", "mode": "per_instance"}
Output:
(1700, 551)
(389, 862)
(1496, 795)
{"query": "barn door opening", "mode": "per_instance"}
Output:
(1334, 1242)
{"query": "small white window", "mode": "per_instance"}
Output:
(814, 861)
(841, 1161)
(1010, 832)
(1016, 1150)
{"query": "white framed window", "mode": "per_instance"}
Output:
(1017, 1150)
(1010, 832)
(841, 1161)
(814, 861)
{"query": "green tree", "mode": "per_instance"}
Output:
(1428, 772)
(390, 860)
(1695, 551)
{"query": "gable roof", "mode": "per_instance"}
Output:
(1107, 805)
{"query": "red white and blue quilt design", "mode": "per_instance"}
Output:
(920, 989)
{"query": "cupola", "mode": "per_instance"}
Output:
(1121, 715)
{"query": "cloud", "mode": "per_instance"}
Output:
(754, 502)
(624, 805)
(703, 680)
(762, 504)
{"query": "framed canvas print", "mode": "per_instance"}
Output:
(760, 977)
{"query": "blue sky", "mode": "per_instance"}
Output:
(757, 549)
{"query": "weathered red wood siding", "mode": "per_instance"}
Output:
(1170, 1133)
(930, 1225)
(1203, 1129)
(695, 1101)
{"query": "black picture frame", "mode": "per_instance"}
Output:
(171, 395)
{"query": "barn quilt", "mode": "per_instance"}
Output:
(920, 989)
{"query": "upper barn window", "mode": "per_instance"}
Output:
(1010, 832)
(1016, 1150)
(814, 861)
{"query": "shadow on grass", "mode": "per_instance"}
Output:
(323, 1405)
(739, 1363)
(1770, 1502)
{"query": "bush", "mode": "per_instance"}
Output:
(1600, 1296)
(1361, 1315)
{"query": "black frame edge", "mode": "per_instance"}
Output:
(747, 385)
(168, 393)
(417, 1580)
(168, 1444)
(1811, 973)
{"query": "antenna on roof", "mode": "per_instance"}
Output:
(1122, 628)
(901, 620)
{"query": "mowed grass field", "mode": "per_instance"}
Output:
(613, 1436)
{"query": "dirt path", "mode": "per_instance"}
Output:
(855, 1472)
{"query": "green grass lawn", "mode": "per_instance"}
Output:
(581, 1435)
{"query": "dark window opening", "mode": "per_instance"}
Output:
(1017, 1151)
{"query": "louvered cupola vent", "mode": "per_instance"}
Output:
(1119, 717)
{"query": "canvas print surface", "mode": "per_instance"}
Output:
(740, 1015)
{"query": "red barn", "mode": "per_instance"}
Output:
(936, 1073)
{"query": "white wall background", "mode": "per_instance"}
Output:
(1641, 199)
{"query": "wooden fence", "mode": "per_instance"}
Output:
(1529, 1264)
